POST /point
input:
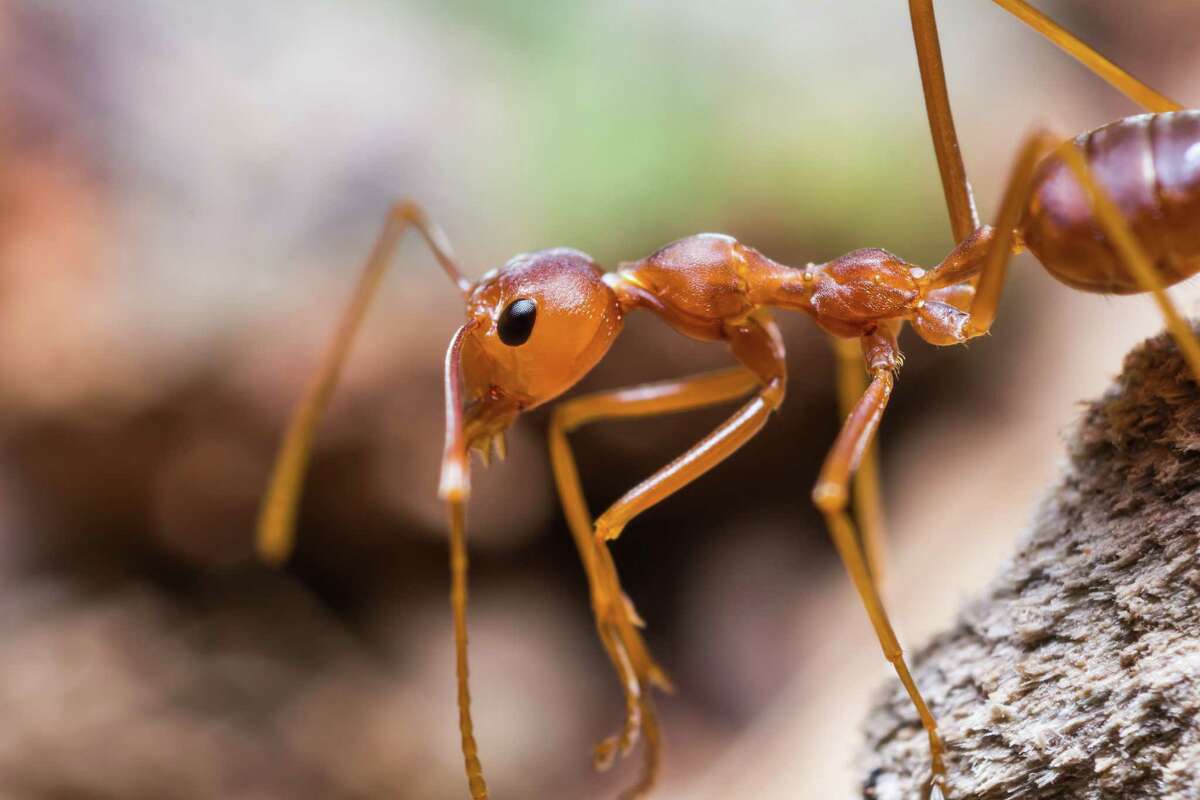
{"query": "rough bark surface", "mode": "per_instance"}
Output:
(1077, 674)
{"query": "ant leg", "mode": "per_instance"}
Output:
(757, 345)
(1016, 194)
(616, 621)
(987, 252)
(453, 489)
(995, 263)
(458, 601)
(1140, 266)
(867, 495)
(830, 496)
(275, 534)
(1116, 77)
(959, 202)
(937, 102)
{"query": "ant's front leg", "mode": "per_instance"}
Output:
(756, 343)
(617, 622)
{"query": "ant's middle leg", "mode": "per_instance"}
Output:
(867, 493)
(831, 496)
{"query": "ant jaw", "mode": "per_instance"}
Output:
(484, 427)
(485, 422)
(486, 447)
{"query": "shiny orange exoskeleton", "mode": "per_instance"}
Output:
(1150, 164)
(1116, 210)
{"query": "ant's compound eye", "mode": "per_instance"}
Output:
(516, 322)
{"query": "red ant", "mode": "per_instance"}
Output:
(538, 324)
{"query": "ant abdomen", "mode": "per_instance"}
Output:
(1150, 166)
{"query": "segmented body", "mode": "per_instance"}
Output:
(1150, 166)
(703, 283)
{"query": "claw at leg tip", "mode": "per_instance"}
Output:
(631, 612)
(661, 680)
(604, 754)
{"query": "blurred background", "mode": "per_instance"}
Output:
(186, 194)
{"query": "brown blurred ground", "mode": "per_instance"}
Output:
(185, 193)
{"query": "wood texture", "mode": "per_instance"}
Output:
(1077, 673)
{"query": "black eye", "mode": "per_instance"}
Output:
(516, 322)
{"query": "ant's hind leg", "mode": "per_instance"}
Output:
(1140, 266)
(1116, 77)
(867, 494)
(995, 263)
(831, 495)
(1000, 250)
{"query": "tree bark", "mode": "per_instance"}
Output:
(1077, 674)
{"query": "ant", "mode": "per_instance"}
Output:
(1115, 210)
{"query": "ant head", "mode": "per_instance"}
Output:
(536, 326)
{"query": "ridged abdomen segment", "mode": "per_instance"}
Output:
(1150, 166)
